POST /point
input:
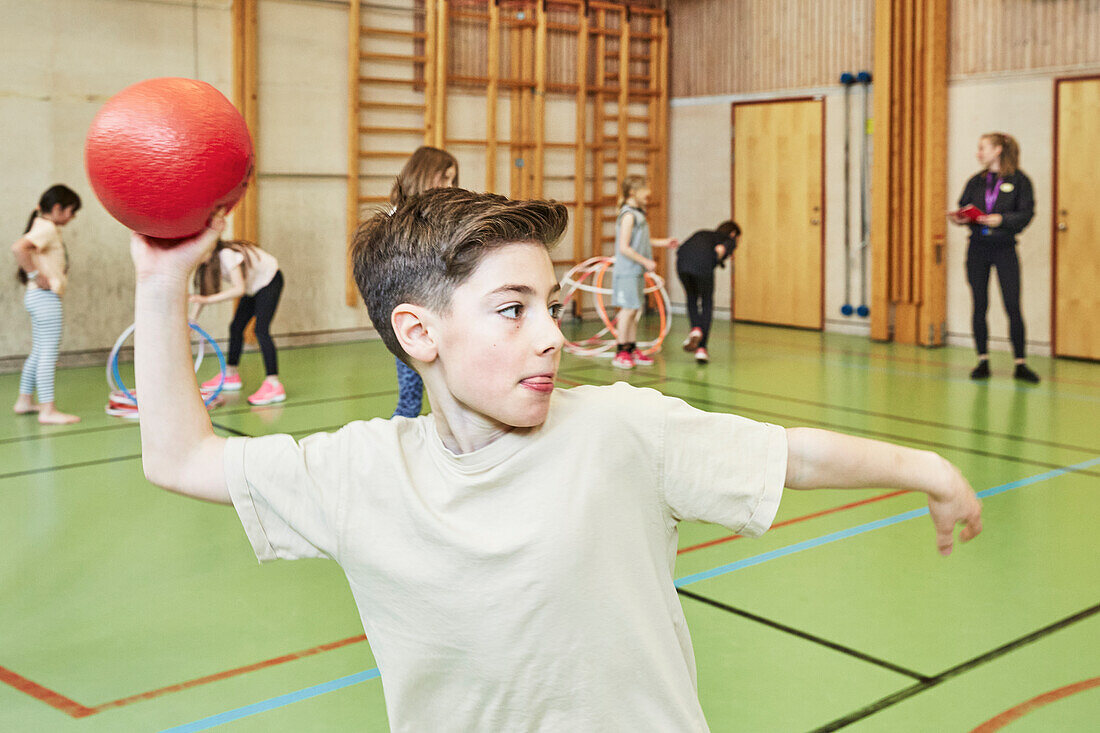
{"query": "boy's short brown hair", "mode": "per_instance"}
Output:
(433, 242)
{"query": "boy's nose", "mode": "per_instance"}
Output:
(551, 338)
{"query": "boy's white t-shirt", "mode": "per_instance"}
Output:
(46, 238)
(527, 585)
(262, 267)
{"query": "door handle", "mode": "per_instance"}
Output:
(1062, 226)
(815, 222)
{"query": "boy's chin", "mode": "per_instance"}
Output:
(531, 417)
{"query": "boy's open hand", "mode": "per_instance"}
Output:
(954, 504)
(179, 260)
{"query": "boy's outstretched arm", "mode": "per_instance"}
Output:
(820, 459)
(179, 450)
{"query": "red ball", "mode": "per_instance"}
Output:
(163, 154)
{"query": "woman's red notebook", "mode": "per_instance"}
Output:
(970, 212)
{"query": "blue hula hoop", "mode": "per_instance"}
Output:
(217, 352)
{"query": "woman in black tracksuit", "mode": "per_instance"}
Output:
(696, 259)
(1004, 196)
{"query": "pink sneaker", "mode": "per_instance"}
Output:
(622, 360)
(691, 343)
(640, 359)
(268, 393)
(232, 383)
(701, 355)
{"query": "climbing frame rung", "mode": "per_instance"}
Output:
(367, 30)
(404, 58)
(379, 130)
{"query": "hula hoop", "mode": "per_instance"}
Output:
(114, 379)
(598, 345)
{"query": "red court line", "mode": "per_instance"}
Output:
(48, 696)
(229, 673)
(1013, 714)
(796, 520)
(77, 710)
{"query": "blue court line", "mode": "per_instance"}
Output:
(275, 702)
(868, 527)
(292, 697)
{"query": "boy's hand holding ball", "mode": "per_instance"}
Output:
(151, 260)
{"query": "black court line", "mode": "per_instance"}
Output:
(745, 409)
(875, 413)
(660, 379)
(234, 431)
(229, 411)
(85, 464)
(66, 466)
(63, 433)
(249, 409)
(807, 636)
(955, 671)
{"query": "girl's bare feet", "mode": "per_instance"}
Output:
(24, 405)
(50, 415)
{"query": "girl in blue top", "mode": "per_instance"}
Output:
(633, 258)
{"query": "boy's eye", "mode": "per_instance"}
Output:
(511, 311)
(556, 310)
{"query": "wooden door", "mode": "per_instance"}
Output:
(777, 200)
(1076, 288)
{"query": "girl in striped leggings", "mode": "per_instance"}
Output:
(43, 265)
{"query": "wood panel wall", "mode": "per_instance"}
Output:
(909, 179)
(999, 36)
(741, 46)
(745, 46)
(468, 39)
(246, 223)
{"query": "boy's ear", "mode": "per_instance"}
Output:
(410, 325)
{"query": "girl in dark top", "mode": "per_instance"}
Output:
(695, 262)
(1003, 195)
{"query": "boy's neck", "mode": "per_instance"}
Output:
(461, 429)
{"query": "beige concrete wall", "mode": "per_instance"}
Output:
(1021, 105)
(302, 164)
(61, 60)
(1024, 108)
(699, 181)
(699, 184)
(87, 50)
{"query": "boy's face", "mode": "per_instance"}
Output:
(500, 343)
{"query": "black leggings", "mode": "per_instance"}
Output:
(262, 305)
(700, 301)
(980, 257)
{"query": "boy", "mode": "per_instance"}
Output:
(512, 567)
(695, 262)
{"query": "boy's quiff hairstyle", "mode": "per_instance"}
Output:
(433, 242)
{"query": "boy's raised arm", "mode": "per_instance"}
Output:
(179, 450)
(820, 459)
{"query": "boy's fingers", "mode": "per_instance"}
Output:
(944, 536)
(217, 221)
(971, 529)
(944, 542)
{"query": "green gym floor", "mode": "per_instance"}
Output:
(124, 608)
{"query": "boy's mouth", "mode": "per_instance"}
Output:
(539, 382)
